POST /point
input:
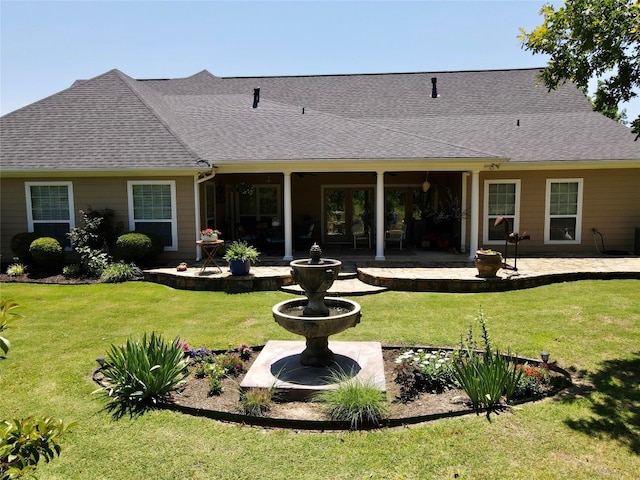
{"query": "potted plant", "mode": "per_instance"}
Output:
(488, 262)
(240, 256)
(209, 235)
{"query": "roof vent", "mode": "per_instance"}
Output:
(256, 97)
(434, 88)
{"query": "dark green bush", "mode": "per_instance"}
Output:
(47, 252)
(157, 245)
(20, 244)
(133, 247)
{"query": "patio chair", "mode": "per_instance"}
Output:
(397, 233)
(359, 233)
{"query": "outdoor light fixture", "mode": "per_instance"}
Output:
(544, 356)
(426, 185)
(100, 360)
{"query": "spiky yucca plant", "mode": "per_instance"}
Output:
(141, 373)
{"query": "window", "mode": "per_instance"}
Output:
(501, 199)
(50, 209)
(563, 211)
(152, 208)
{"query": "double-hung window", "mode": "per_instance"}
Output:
(501, 199)
(563, 211)
(152, 208)
(50, 209)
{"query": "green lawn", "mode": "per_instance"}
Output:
(590, 327)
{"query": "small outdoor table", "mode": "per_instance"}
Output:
(209, 249)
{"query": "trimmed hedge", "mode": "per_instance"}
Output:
(133, 247)
(20, 244)
(47, 252)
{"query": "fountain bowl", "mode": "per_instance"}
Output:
(343, 314)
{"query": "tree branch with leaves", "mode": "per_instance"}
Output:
(592, 39)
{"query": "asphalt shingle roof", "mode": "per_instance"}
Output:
(115, 122)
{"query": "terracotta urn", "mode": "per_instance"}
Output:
(488, 262)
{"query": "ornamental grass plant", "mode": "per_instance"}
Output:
(141, 373)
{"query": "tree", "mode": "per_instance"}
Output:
(591, 39)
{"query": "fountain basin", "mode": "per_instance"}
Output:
(343, 314)
(315, 278)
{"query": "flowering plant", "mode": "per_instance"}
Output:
(208, 232)
(424, 370)
(245, 351)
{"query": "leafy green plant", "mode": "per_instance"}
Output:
(353, 400)
(73, 270)
(242, 251)
(255, 401)
(24, 442)
(133, 246)
(8, 315)
(215, 379)
(120, 272)
(485, 376)
(88, 241)
(421, 370)
(16, 269)
(20, 244)
(46, 252)
(143, 372)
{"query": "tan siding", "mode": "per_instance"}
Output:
(99, 193)
(611, 203)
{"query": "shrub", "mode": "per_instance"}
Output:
(46, 252)
(24, 442)
(88, 244)
(133, 247)
(20, 244)
(355, 401)
(120, 272)
(157, 246)
(143, 372)
(16, 269)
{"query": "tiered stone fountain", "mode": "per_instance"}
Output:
(316, 317)
(299, 369)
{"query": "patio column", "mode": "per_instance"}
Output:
(463, 217)
(288, 218)
(379, 216)
(475, 213)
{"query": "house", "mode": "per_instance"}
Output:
(337, 159)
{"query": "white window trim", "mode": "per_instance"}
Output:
(516, 222)
(547, 216)
(174, 216)
(31, 223)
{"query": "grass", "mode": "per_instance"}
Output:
(593, 431)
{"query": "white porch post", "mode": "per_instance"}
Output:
(475, 213)
(379, 216)
(463, 217)
(196, 208)
(288, 218)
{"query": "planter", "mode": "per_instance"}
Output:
(488, 263)
(239, 267)
(209, 238)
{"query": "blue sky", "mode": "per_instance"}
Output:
(46, 45)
